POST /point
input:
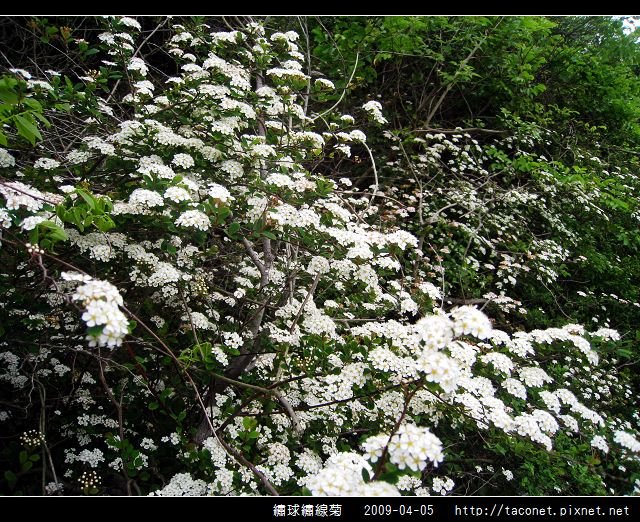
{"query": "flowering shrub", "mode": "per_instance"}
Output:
(192, 304)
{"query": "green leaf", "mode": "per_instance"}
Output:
(27, 129)
(52, 231)
(88, 197)
(33, 104)
(10, 477)
(249, 423)
(95, 331)
(104, 223)
(44, 120)
(8, 96)
(153, 406)
(269, 234)
(233, 229)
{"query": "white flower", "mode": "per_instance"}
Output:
(534, 377)
(183, 160)
(515, 388)
(194, 219)
(138, 64)
(6, 159)
(435, 331)
(600, 443)
(101, 301)
(5, 219)
(46, 164)
(323, 83)
(431, 290)
(342, 476)
(177, 194)
(32, 222)
(627, 440)
(410, 447)
(375, 111)
(233, 339)
(130, 22)
(442, 485)
(183, 485)
(318, 265)
(468, 320)
(219, 193)
(357, 135)
(146, 198)
(500, 362)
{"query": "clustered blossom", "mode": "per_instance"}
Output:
(375, 111)
(183, 160)
(410, 447)
(219, 193)
(138, 64)
(6, 159)
(102, 302)
(146, 198)
(627, 440)
(177, 194)
(325, 84)
(599, 442)
(435, 331)
(342, 475)
(468, 320)
(183, 485)
(194, 219)
(46, 164)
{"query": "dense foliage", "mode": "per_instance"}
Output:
(352, 256)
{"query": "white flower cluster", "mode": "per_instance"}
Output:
(318, 265)
(101, 301)
(431, 290)
(516, 388)
(46, 164)
(6, 159)
(5, 219)
(342, 476)
(194, 219)
(183, 485)
(500, 362)
(468, 320)
(146, 198)
(599, 442)
(177, 194)
(439, 368)
(324, 84)
(183, 160)
(527, 426)
(442, 486)
(374, 109)
(627, 440)
(138, 64)
(219, 193)
(435, 331)
(18, 195)
(534, 377)
(410, 447)
(607, 334)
